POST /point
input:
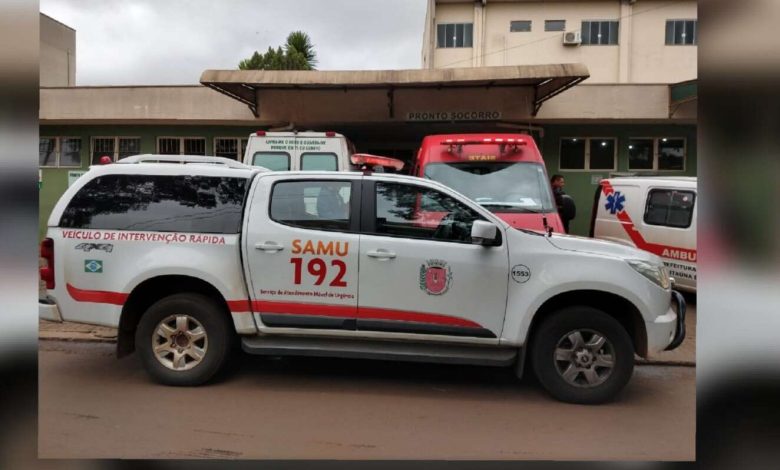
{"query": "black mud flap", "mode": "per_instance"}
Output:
(679, 334)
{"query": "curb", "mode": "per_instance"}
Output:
(89, 338)
(666, 363)
(74, 337)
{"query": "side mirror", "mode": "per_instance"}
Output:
(483, 233)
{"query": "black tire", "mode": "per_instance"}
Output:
(218, 340)
(588, 320)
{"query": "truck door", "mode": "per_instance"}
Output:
(301, 251)
(418, 278)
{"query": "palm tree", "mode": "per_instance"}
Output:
(299, 47)
(296, 54)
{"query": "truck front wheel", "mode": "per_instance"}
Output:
(582, 355)
(183, 339)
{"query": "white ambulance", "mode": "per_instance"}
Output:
(293, 151)
(187, 259)
(654, 213)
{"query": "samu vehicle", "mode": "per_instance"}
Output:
(344, 264)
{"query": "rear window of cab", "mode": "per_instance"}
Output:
(175, 203)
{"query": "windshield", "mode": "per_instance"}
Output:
(499, 186)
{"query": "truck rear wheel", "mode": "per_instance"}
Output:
(582, 355)
(183, 339)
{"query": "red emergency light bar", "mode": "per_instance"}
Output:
(360, 159)
(498, 140)
(260, 133)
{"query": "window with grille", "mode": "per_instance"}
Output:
(114, 147)
(128, 146)
(602, 33)
(169, 146)
(230, 147)
(196, 146)
(47, 151)
(181, 145)
(58, 152)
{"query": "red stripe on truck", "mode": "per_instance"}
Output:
(294, 308)
(97, 296)
(239, 306)
(298, 308)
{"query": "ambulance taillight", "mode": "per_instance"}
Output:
(47, 270)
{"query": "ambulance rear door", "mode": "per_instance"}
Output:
(321, 151)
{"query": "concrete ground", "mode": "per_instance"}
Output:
(92, 405)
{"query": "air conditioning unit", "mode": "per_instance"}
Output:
(572, 38)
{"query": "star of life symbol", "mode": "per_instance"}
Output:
(615, 202)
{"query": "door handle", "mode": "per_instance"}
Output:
(270, 247)
(381, 254)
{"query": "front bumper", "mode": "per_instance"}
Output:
(667, 332)
(679, 334)
(48, 310)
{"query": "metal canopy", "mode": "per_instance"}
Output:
(546, 80)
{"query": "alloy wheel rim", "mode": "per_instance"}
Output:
(179, 342)
(584, 358)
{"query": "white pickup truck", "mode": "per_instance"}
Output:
(186, 259)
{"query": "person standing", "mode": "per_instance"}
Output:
(557, 182)
(563, 202)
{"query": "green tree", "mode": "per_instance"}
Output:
(296, 54)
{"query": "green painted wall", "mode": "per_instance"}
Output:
(579, 184)
(55, 180)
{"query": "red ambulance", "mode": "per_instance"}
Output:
(505, 173)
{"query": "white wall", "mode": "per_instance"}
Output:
(640, 57)
(58, 53)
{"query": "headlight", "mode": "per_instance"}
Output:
(659, 275)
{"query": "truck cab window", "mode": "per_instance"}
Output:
(322, 205)
(182, 203)
(409, 211)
